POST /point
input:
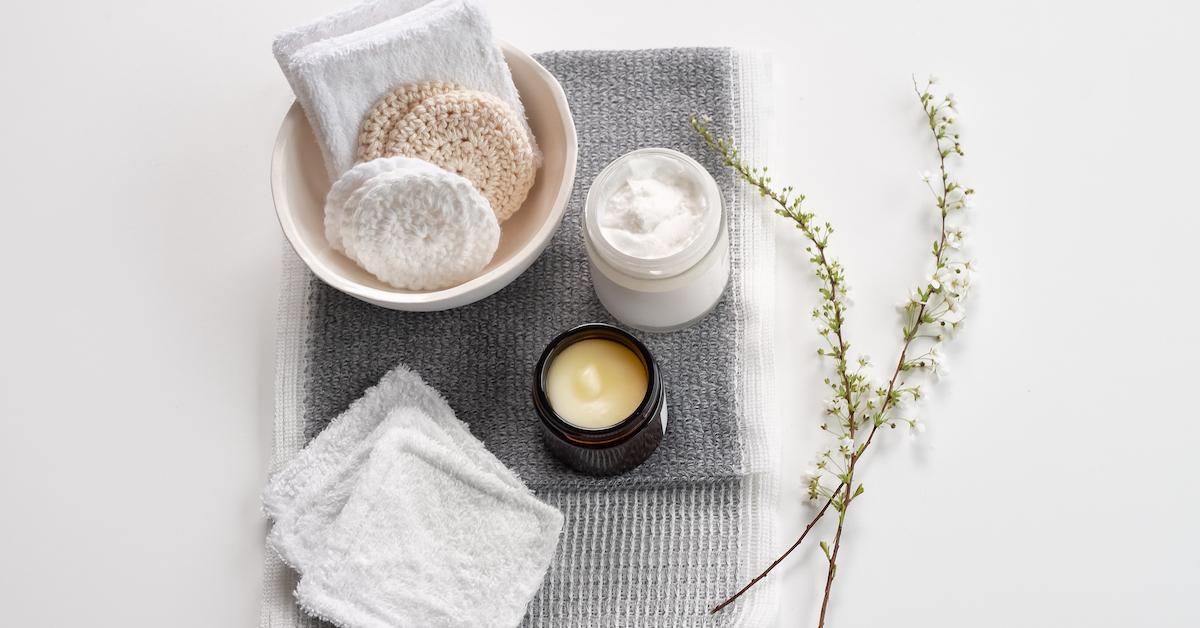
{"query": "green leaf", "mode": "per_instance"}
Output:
(825, 548)
(858, 491)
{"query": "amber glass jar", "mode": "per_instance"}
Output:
(612, 449)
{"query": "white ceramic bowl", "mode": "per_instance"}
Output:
(299, 185)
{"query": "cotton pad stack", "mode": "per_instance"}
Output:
(396, 516)
(422, 79)
(467, 132)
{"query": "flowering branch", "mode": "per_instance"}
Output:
(933, 310)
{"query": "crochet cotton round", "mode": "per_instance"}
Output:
(343, 188)
(473, 134)
(377, 125)
(420, 227)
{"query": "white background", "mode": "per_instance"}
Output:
(1056, 484)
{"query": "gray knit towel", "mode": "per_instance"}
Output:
(663, 543)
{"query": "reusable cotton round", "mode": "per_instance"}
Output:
(380, 122)
(473, 134)
(335, 202)
(412, 224)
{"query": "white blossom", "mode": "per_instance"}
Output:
(956, 238)
(940, 301)
(944, 276)
(941, 368)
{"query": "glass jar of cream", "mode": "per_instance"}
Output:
(600, 398)
(656, 238)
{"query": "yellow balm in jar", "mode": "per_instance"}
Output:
(596, 383)
(600, 398)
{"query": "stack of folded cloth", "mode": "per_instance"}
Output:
(396, 516)
(422, 79)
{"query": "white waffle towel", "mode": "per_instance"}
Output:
(340, 65)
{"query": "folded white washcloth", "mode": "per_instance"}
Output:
(307, 495)
(425, 540)
(340, 65)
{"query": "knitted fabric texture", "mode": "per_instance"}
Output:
(659, 545)
(382, 118)
(415, 226)
(469, 133)
(336, 219)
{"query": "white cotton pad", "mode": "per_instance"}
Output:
(347, 217)
(342, 189)
(412, 224)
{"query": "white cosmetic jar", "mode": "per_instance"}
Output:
(660, 293)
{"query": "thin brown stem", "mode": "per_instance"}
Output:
(735, 596)
(908, 338)
(830, 273)
(839, 319)
(837, 546)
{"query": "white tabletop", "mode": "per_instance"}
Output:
(1056, 484)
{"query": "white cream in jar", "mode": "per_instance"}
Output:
(656, 239)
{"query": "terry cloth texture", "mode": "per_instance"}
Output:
(419, 526)
(307, 495)
(428, 541)
(340, 65)
(661, 544)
